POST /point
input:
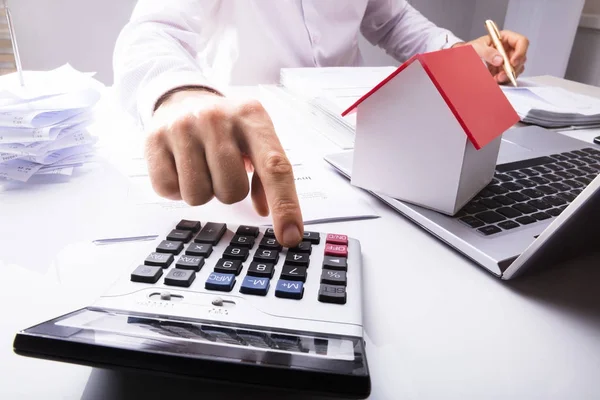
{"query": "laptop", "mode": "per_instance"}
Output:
(541, 208)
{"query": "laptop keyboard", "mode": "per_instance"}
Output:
(528, 191)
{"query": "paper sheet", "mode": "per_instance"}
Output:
(69, 137)
(553, 106)
(67, 171)
(322, 197)
(12, 135)
(43, 125)
(40, 84)
(19, 170)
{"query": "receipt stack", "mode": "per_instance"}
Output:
(43, 124)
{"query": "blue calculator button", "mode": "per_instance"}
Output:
(289, 289)
(222, 282)
(254, 285)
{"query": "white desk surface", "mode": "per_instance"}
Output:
(437, 326)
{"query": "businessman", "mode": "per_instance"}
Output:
(173, 58)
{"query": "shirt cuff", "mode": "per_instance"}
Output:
(155, 89)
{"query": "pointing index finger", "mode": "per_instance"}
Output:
(274, 172)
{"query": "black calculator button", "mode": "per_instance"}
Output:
(336, 263)
(261, 270)
(289, 289)
(220, 282)
(199, 249)
(269, 244)
(228, 266)
(146, 274)
(303, 247)
(332, 294)
(190, 262)
(331, 277)
(180, 277)
(293, 273)
(211, 233)
(236, 253)
(242, 241)
(180, 235)
(169, 246)
(313, 237)
(270, 232)
(297, 259)
(268, 256)
(254, 285)
(187, 225)
(245, 230)
(159, 260)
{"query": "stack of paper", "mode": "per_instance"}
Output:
(43, 123)
(553, 107)
(331, 90)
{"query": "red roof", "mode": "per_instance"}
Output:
(469, 90)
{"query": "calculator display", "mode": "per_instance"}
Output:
(131, 339)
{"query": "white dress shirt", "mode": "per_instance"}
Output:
(218, 43)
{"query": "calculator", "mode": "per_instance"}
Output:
(228, 303)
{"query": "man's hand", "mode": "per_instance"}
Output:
(516, 46)
(201, 146)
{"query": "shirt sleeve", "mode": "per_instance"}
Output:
(155, 53)
(402, 31)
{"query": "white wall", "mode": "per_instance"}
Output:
(81, 32)
(551, 26)
(584, 65)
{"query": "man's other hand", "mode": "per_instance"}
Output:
(516, 46)
(202, 145)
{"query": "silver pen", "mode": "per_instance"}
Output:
(13, 39)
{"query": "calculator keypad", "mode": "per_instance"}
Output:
(251, 259)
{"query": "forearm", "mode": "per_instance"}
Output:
(154, 54)
(402, 31)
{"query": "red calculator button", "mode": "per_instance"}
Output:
(337, 239)
(336, 250)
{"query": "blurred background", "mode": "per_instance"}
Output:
(564, 34)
